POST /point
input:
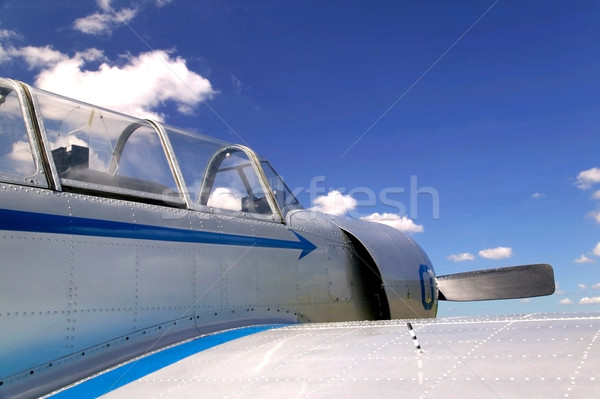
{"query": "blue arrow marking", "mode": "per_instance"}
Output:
(58, 224)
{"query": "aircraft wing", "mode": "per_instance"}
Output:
(545, 356)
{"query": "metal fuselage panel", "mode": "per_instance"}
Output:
(66, 289)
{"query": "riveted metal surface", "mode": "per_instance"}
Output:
(531, 356)
(398, 259)
(95, 288)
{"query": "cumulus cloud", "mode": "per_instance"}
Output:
(20, 158)
(558, 291)
(461, 257)
(496, 253)
(135, 84)
(7, 34)
(4, 56)
(139, 85)
(37, 57)
(538, 195)
(595, 215)
(402, 223)
(225, 198)
(565, 301)
(33, 56)
(583, 259)
(597, 249)
(103, 23)
(596, 286)
(590, 301)
(334, 203)
(587, 178)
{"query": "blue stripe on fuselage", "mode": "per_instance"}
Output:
(129, 372)
(59, 224)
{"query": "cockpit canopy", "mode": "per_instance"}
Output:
(51, 141)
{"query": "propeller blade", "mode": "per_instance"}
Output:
(500, 283)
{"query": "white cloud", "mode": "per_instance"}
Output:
(225, 198)
(8, 34)
(138, 87)
(596, 195)
(565, 301)
(525, 300)
(402, 223)
(334, 203)
(103, 23)
(104, 4)
(589, 301)
(587, 178)
(496, 253)
(597, 249)
(461, 257)
(596, 286)
(20, 157)
(4, 54)
(108, 18)
(138, 84)
(582, 286)
(584, 259)
(595, 215)
(237, 84)
(538, 195)
(558, 291)
(44, 57)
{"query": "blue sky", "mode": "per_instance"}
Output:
(473, 126)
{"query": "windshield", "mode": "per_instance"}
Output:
(16, 155)
(104, 151)
(223, 176)
(283, 195)
(115, 155)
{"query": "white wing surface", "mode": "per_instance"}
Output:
(543, 356)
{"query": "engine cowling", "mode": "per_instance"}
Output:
(406, 273)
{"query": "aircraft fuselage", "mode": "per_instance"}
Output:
(102, 263)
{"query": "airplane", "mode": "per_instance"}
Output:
(123, 239)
